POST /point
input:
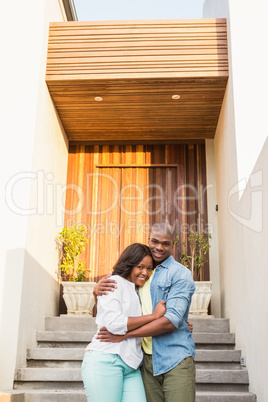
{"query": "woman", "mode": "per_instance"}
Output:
(110, 371)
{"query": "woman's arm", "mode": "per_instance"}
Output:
(165, 326)
(117, 323)
(137, 322)
(154, 328)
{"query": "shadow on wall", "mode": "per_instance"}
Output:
(250, 271)
(30, 294)
(249, 208)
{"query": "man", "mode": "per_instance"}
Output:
(168, 368)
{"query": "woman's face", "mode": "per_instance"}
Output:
(142, 272)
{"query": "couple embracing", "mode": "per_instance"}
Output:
(143, 350)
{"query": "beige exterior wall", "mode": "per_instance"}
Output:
(213, 227)
(241, 149)
(33, 171)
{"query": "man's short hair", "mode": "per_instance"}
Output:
(163, 227)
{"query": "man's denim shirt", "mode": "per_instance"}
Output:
(172, 282)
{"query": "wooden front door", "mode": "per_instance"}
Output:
(118, 192)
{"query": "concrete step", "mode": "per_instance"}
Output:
(87, 323)
(214, 325)
(48, 374)
(228, 356)
(61, 377)
(214, 340)
(218, 359)
(72, 357)
(77, 364)
(208, 380)
(56, 354)
(70, 323)
(210, 366)
(86, 336)
(55, 357)
(225, 397)
(64, 338)
(202, 355)
(79, 396)
(48, 385)
(55, 396)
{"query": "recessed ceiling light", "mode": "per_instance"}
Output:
(98, 99)
(175, 96)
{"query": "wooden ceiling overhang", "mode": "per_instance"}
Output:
(137, 67)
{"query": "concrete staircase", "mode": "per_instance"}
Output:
(53, 367)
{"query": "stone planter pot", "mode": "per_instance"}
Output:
(201, 299)
(78, 297)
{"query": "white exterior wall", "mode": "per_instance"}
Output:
(33, 146)
(241, 150)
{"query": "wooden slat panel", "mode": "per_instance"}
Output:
(139, 110)
(105, 41)
(136, 67)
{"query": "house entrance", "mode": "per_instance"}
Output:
(119, 191)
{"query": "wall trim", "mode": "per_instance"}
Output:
(70, 10)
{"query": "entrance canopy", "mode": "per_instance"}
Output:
(138, 81)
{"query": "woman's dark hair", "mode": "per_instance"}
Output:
(130, 257)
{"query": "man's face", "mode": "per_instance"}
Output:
(161, 245)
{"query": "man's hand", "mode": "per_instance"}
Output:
(191, 327)
(104, 286)
(159, 309)
(105, 336)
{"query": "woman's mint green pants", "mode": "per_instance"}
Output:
(107, 378)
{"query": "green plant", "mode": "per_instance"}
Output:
(193, 251)
(72, 240)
